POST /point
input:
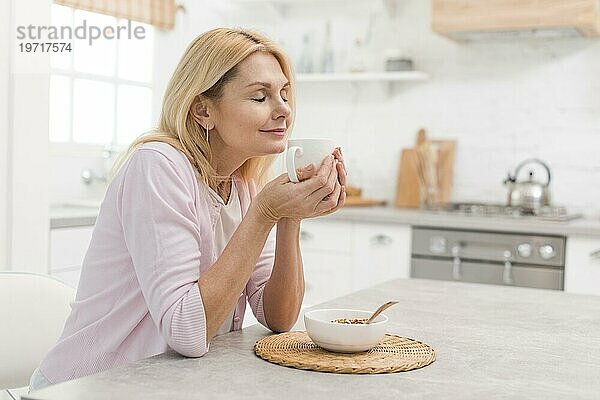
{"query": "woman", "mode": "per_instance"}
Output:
(182, 238)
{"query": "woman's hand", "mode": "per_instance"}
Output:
(341, 166)
(317, 193)
(341, 170)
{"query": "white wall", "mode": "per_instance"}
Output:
(28, 146)
(502, 101)
(5, 8)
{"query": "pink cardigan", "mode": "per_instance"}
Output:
(138, 293)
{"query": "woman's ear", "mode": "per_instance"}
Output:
(200, 111)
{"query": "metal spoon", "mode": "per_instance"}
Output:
(380, 310)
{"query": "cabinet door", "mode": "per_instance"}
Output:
(327, 276)
(67, 250)
(326, 254)
(326, 235)
(382, 253)
(582, 264)
(68, 246)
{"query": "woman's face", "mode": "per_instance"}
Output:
(252, 116)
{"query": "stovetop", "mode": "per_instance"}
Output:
(547, 213)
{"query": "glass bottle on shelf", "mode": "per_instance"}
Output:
(327, 62)
(305, 62)
(357, 57)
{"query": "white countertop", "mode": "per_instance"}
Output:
(415, 217)
(70, 216)
(490, 341)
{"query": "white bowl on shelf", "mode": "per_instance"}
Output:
(344, 338)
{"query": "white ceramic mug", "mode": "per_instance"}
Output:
(302, 152)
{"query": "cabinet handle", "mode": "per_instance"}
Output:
(595, 254)
(304, 235)
(381, 239)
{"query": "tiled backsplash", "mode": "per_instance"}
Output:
(502, 101)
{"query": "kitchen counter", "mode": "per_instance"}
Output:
(491, 342)
(415, 217)
(70, 216)
(64, 216)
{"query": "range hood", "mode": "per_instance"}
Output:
(483, 19)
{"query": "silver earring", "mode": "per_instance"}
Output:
(206, 133)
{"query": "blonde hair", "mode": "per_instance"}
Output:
(209, 62)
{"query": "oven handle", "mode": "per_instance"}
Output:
(456, 267)
(507, 277)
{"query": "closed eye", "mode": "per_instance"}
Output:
(259, 100)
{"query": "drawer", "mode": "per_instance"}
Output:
(68, 246)
(330, 236)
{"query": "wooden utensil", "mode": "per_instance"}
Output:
(407, 189)
(360, 202)
(411, 173)
(380, 310)
(431, 162)
(445, 169)
(353, 191)
(421, 137)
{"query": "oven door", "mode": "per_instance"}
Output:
(534, 276)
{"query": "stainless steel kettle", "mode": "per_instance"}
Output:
(530, 194)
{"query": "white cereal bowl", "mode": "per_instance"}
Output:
(344, 338)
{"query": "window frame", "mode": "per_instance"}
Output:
(70, 146)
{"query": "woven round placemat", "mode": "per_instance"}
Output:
(392, 354)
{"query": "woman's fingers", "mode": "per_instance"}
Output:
(341, 173)
(318, 179)
(341, 167)
(328, 184)
(306, 172)
(282, 198)
(340, 203)
(337, 153)
(331, 201)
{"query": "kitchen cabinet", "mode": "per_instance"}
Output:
(473, 19)
(582, 264)
(327, 259)
(382, 253)
(343, 256)
(67, 250)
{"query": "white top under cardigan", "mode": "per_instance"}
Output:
(227, 222)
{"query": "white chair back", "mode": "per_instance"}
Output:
(33, 311)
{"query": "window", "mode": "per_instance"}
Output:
(100, 93)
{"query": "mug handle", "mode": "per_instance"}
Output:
(290, 164)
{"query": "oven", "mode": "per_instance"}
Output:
(498, 258)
